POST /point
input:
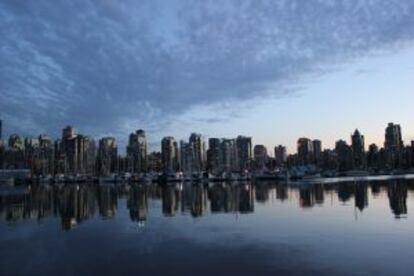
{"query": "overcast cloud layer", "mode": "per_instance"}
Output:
(110, 67)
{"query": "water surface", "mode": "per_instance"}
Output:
(360, 228)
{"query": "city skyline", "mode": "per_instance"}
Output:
(76, 154)
(271, 76)
(205, 138)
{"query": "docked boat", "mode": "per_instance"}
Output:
(7, 181)
(172, 177)
(264, 175)
(282, 175)
(311, 176)
(357, 173)
(214, 177)
(196, 177)
(108, 179)
(329, 173)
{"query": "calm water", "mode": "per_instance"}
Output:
(362, 228)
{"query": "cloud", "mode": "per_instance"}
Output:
(110, 67)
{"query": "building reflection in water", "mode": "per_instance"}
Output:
(170, 200)
(281, 192)
(235, 198)
(262, 191)
(397, 195)
(361, 196)
(137, 204)
(107, 200)
(75, 203)
(345, 191)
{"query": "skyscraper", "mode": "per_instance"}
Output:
(2, 153)
(393, 137)
(197, 145)
(107, 157)
(137, 151)
(15, 154)
(2, 149)
(39, 155)
(358, 150)
(317, 151)
(412, 152)
(280, 155)
(169, 154)
(76, 153)
(344, 155)
(31, 146)
(186, 156)
(305, 151)
(373, 160)
(228, 158)
(393, 145)
(244, 152)
(154, 161)
(46, 155)
(68, 149)
(86, 154)
(16, 142)
(213, 155)
(260, 157)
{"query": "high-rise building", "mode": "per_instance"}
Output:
(222, 155)
(260, 157)
(329, 160)
(107, 157)
(39, 157)
(280, 155)
(198, 149)
(213, 155)
(344, 155)
(137, 151)
(2, 146)
(14, 155)
(244, 152)
(69, 150)
(169, 155)
(305, 151)
(317, 151)
(373, 160)
(31, 148)
(45, 155)
(186, 156)
(393, 138)
(358, 150)
(393, 145)
(155, 161)
(16, 142)
(228, 158)
(69, 132)
(2, 155)
(85, 155)
(412, 153)
(76, 153)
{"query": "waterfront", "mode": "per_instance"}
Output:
(343, 228)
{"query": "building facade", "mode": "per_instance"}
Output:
(137, 151)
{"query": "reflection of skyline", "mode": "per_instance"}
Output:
(397, 195)
(137, 204)
(361, 196)
(74, 204)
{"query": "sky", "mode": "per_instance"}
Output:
(273, 70)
